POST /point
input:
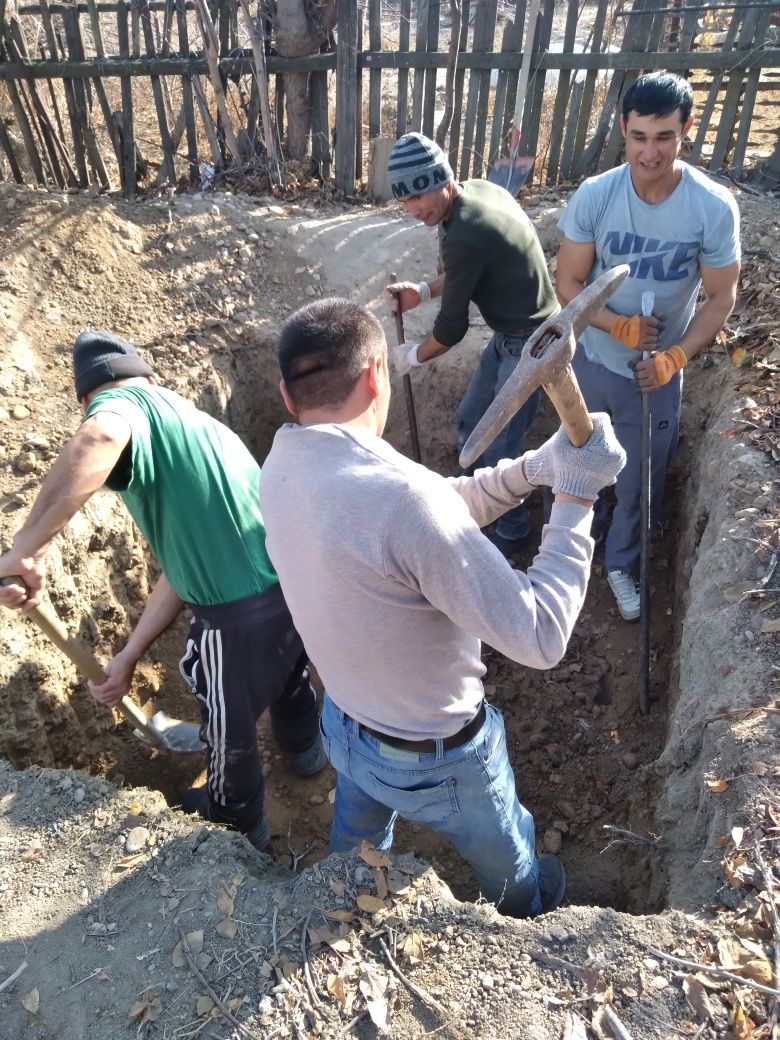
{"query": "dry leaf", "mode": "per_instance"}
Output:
(32, 1001)
(738, 357)
(337, 987)
(227, 928)
(32, 854)
(370, 904)
(332, 795)
(397, 882)
(225, 902)
(374, 986)
(195, 943)
(234, 1003)
(733, 866)
(340, 945)
(147, 1009)
(759, 970)
(721, 841)
(338, 888)
(697, 998)
(717, 786)
(6, 802)
(373, 857)
(203, 1005)
(413, 946)
(235, 883)
(754, 949)
(598, 989)
(737, 834)
(380, 882)
(340, 915)
(769, 627)
(129, 861)
(744, 1028)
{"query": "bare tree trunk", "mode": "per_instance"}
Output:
(449, 83)
(296, 89)
(301, 27)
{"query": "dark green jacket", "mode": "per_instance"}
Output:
(491, 255)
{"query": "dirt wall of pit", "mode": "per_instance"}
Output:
(724, 665)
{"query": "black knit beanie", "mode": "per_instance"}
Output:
(102, 357)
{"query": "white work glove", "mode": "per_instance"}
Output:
(582, 472)
(406, 294)
(404, 358)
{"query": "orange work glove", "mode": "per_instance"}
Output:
(667, 362)
(627, 330)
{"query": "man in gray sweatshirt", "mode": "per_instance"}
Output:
(392, 587)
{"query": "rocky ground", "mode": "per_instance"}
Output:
(98, 878)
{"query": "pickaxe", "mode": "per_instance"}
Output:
(546, 362)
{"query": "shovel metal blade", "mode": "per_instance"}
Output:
(544, 357)
(183, 737)
(511, 173)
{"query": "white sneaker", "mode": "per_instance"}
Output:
(626, 590)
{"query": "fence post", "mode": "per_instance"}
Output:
(346, 95)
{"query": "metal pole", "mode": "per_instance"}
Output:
(648, 300)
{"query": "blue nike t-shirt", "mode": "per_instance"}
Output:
(663, 244)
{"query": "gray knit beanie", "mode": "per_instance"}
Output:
(417, 165)
(102, 357)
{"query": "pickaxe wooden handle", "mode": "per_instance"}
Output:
(546, 362)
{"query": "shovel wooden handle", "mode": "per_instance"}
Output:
(50, 624)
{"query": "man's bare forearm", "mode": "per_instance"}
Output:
(707, 322)
(430, 348)
(161, 609)
(81, 468)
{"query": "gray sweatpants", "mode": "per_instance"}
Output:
(620, 398)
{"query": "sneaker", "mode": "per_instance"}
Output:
(506, 546)
(196, 800)
(310, 760)
(626, 590)
(552, 882)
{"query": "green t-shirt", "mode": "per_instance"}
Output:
(194, 490)
(491, 254)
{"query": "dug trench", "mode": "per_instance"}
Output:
(202, 285)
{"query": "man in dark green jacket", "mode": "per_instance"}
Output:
(491, 255)
(193, 489)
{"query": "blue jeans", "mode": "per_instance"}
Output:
(467, 794)
(606, 391)
(496, 364)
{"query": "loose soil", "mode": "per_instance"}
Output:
(201, 284)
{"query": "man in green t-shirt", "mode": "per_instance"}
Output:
(491, 255)
(193, 489)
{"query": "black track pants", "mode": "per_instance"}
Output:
(242, 658)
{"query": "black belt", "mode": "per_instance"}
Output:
(524, 333)
(429, 746)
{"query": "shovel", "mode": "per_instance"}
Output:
(512, 173)
(161, 731)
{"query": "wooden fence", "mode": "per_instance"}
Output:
(135, 91)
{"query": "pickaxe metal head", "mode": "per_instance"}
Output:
(545, 359)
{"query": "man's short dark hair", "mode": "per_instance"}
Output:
(323, 348)
(659, 94)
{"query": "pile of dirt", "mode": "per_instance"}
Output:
(643, 810)
(102, 889)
